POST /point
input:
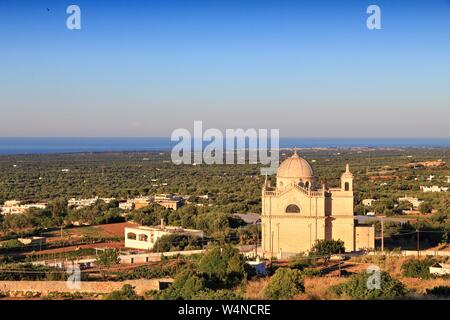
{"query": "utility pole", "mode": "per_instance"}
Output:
(382, 234)
(418, 240)
(339, 266)
(257, 240)
(271, 247)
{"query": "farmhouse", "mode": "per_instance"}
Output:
(144, 238)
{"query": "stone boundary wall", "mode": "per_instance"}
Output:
(46, 287)
(422, 253)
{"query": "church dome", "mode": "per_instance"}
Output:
(295, 167)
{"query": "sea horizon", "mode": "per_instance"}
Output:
(55, 145)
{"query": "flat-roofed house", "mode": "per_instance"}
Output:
(440, 269)
(144, 237)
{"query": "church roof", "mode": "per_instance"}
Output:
(295, 167)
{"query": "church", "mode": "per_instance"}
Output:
(296, 212)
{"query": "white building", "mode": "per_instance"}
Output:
(14, 207)
(81, 203)
(440, 269)
(368, 202)
(433, 189)
(11, 203)
(32, 240)
(414, 201)
(144, 238)
(128, 205)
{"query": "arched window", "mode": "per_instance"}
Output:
(347, 186)
(143, 237)
(292, 208)
(131, 236)
(307, 184)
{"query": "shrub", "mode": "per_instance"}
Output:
(217, 295)
(151, 272)
(300, 262)
(313, 272)
(12, 243)
(185, 286)
(176, 242)
(326, 248)
(425, 207)
(357, 287)
(126, 293)
(284, 284)
(417, 268)
(440, 291)
(223, 266)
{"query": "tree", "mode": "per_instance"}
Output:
(126, 293)
(107, 258)
(176, 242)
(284, 284)
(359, 210)
(440, 217)
(223, 266)
(417, 268)
(425, 207)
(58, 209)
(16, 223)
(326, 248)
(444, 239)
(357, 287)
(185, 286)
(382, 205)
(439, 291)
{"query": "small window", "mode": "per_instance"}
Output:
(347, 186)
(143, 237)
(292, 208)
(131, 236)
(307, 184)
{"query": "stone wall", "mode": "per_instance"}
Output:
(45, 287)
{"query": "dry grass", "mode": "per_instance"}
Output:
(419, 286)
(255, 289)
(316, 288)
(389, 263)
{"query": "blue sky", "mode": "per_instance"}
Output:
(308, 68)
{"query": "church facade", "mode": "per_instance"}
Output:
(296, 213)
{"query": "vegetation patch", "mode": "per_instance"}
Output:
(285, 284)
(362, 287)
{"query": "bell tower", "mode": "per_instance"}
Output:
(347, 180)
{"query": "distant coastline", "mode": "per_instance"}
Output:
(14, 146)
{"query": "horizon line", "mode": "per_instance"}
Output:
(168, 137)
